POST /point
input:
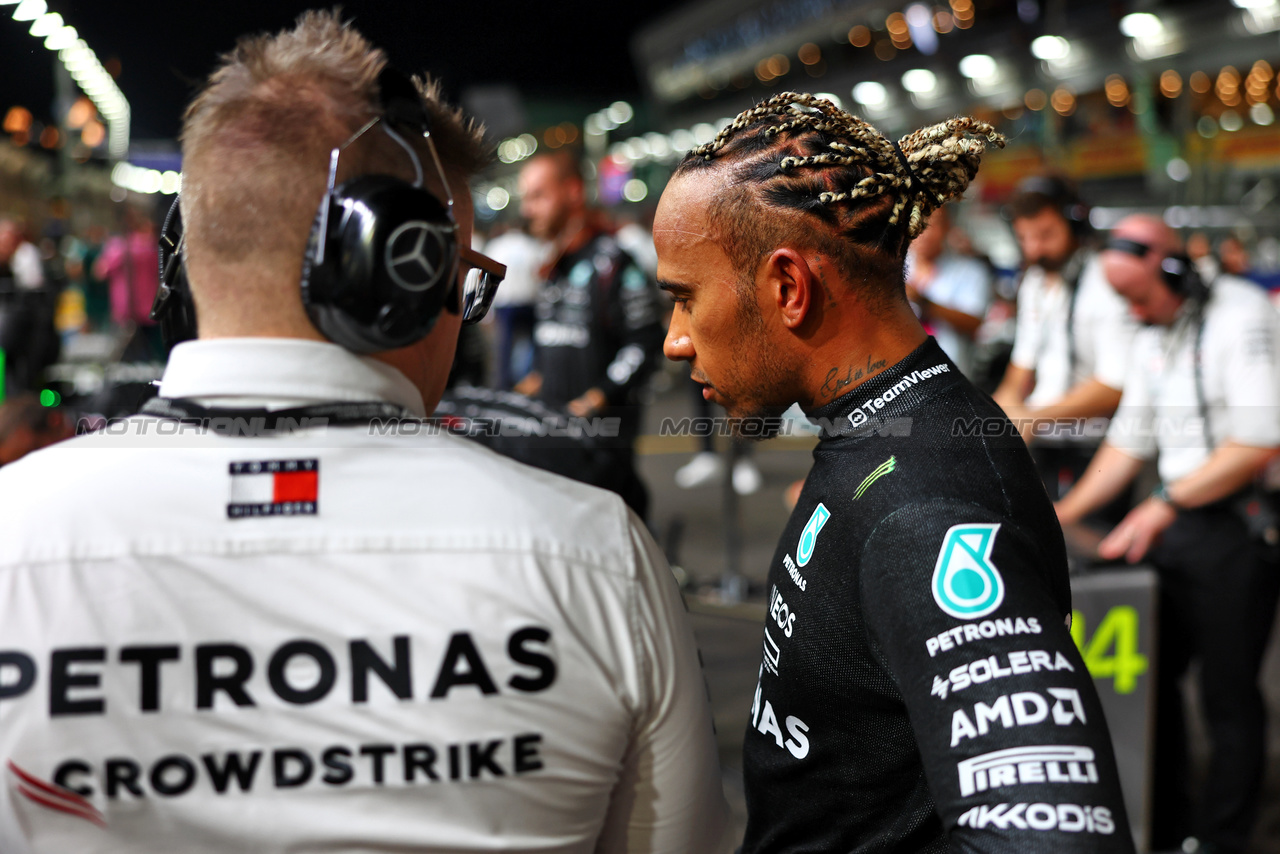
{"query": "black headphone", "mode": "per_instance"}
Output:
(1062, 195)
(382, 256)
(1177, 269)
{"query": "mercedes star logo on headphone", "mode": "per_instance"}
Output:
(414, 253)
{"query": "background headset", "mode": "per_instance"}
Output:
(1062, 196)
(1177, 269)
(382, 257)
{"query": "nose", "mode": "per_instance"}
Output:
(677, 346)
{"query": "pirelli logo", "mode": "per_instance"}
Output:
(274, 488)
(1043, 763)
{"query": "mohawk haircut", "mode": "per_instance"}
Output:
(256, 138)
(797, 161)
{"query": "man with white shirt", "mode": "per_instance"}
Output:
(280, 613)
(1072, 339)
(523, 254)
(949, 291)
(1201, 395)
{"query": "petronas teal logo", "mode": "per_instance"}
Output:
(966, 584)
(883, 469)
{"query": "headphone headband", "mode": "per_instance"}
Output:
(382, 258)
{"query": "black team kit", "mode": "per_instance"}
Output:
(919, 690)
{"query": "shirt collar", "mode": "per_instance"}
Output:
(282, 372)
(872, 407)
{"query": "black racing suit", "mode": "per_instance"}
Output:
(919, 689)
(598, 325)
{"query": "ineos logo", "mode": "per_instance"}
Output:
(414, 255)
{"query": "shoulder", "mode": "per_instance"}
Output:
(1233, 296)
(960, 545)
(1096, 292)
(125, 494)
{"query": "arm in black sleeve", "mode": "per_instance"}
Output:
(634, 312)
(1015, 748)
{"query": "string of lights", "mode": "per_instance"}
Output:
(83, 66)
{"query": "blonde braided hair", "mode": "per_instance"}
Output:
(922, 172)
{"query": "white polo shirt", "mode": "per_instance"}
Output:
(344, 638)
(963, 284)
(1101, 332)
(1160, 413)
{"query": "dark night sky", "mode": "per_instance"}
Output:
(546, 48)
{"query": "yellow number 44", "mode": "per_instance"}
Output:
(1112, 652)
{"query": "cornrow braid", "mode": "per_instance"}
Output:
(802, 153)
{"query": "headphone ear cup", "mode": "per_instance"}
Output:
(1077, 216)
(1183, 277)
(380, 264)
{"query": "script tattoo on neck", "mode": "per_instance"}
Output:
(836, 385)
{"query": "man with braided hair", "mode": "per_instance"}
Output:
(919, 689)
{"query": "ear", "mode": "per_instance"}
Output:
(791, 284)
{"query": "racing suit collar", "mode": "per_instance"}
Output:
(871, 407)
(276, 373)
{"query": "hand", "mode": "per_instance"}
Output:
(530, 385)
(914, 294)
(591, 402)
(1135, 535)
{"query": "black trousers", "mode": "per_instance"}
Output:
(1217, 604)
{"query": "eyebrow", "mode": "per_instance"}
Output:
(674, 287)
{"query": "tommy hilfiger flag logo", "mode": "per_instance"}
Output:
(274, 488)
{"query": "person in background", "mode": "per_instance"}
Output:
(29, 340)
(523, 254)
(20, 260)
(130, 263)
(1072, 338)
(1203, 397)
(598, 332)
(950, 292)
(1233, 257)
(1200, 251)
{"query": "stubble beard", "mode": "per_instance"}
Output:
(761, 417)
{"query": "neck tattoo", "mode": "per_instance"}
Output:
(835, 385)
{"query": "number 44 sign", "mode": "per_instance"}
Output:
(1112, 651)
